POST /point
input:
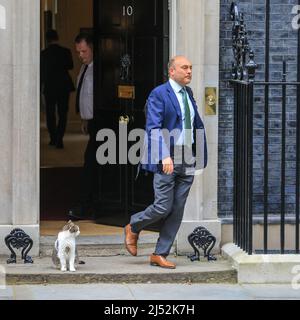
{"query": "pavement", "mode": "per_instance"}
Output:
(153, 292)
(123, 277)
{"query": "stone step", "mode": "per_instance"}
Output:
(101, 246)
(121, 269)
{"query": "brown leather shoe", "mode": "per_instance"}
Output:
(162, 262)
(131, 240)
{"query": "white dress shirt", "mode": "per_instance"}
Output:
(86, 100)
(177, 88)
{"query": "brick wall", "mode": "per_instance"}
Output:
(283, 46)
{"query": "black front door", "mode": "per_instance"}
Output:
(131, 55)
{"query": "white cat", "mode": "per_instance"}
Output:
(65, 252)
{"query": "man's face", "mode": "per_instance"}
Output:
(85, 52)
(181, 71)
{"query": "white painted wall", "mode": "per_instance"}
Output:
(2, 17)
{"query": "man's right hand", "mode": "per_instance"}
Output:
(168, 165)
(84, 126)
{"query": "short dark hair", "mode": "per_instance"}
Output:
(84, 36)
(51, 35)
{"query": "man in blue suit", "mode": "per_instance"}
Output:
(175, 148)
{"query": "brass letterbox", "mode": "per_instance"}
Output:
(126, 92)
(210, 101)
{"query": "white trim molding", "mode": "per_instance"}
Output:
(2, 17)
(173, 27)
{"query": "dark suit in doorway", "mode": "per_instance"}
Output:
(57, 84)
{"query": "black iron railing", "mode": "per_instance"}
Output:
(243, 164)
(242, 80)
(244, 86)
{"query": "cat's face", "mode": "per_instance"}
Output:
(72, 228)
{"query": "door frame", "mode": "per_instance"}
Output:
(172, 42)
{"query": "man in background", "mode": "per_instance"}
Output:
(85, 107)
(56, 84)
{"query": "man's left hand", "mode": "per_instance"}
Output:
(168, 165)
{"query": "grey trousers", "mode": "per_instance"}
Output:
(171, 192)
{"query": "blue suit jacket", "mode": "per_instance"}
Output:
(163, 112)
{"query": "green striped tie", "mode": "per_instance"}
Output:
(187, 119)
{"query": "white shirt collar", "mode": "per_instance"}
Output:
(175, 86)
(90, 64)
